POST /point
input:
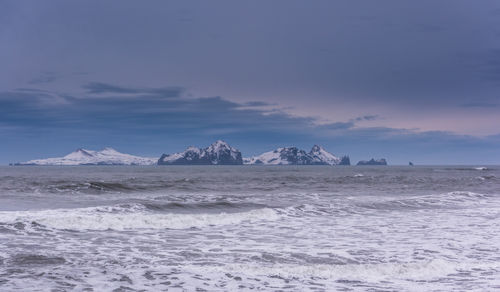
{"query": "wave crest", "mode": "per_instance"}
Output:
(130, 217)
(447, 200)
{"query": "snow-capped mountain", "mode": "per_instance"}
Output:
(218, 153)
(107, 156)
(294, 156)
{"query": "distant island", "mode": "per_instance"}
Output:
(218, 153)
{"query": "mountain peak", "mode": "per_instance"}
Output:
(218, 152)
(82, 151)
(109, 149)
(317, 148)
(220, 144)
(193, 149)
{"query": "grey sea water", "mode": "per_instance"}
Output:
(267, 228)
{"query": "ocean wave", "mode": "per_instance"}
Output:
(134, 216)
(464, 168)
(446, 200)
(224, 206)
(486, 177)
(421, 270)
(35, 260)
(93, 187)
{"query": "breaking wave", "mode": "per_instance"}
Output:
(423, 270)
(223, 206)
(447, 200)
(133, 216)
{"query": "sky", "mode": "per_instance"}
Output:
(404, 80)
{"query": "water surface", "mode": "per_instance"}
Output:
(292, 228)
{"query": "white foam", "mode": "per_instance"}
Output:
(115, 218)
(423, 270)
(455, 198)
(332, 277)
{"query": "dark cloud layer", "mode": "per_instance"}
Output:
(418, 53)
(479, 105)
(103, 88)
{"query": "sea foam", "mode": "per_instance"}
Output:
(119, 218)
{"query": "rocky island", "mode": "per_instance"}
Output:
(219, 153)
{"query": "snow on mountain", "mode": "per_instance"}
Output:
(280, 156)
(107, 156)
(292, 155)
(218, 153)
(271, 157)
(320, 155)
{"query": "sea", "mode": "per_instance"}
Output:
(250, 228)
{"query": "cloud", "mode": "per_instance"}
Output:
(337, 126)
(31, 98)
(479, 105)
(258, 103)
(115, 112)
(406, 58)
(367, 118)
(47, 77)
(104, 88)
